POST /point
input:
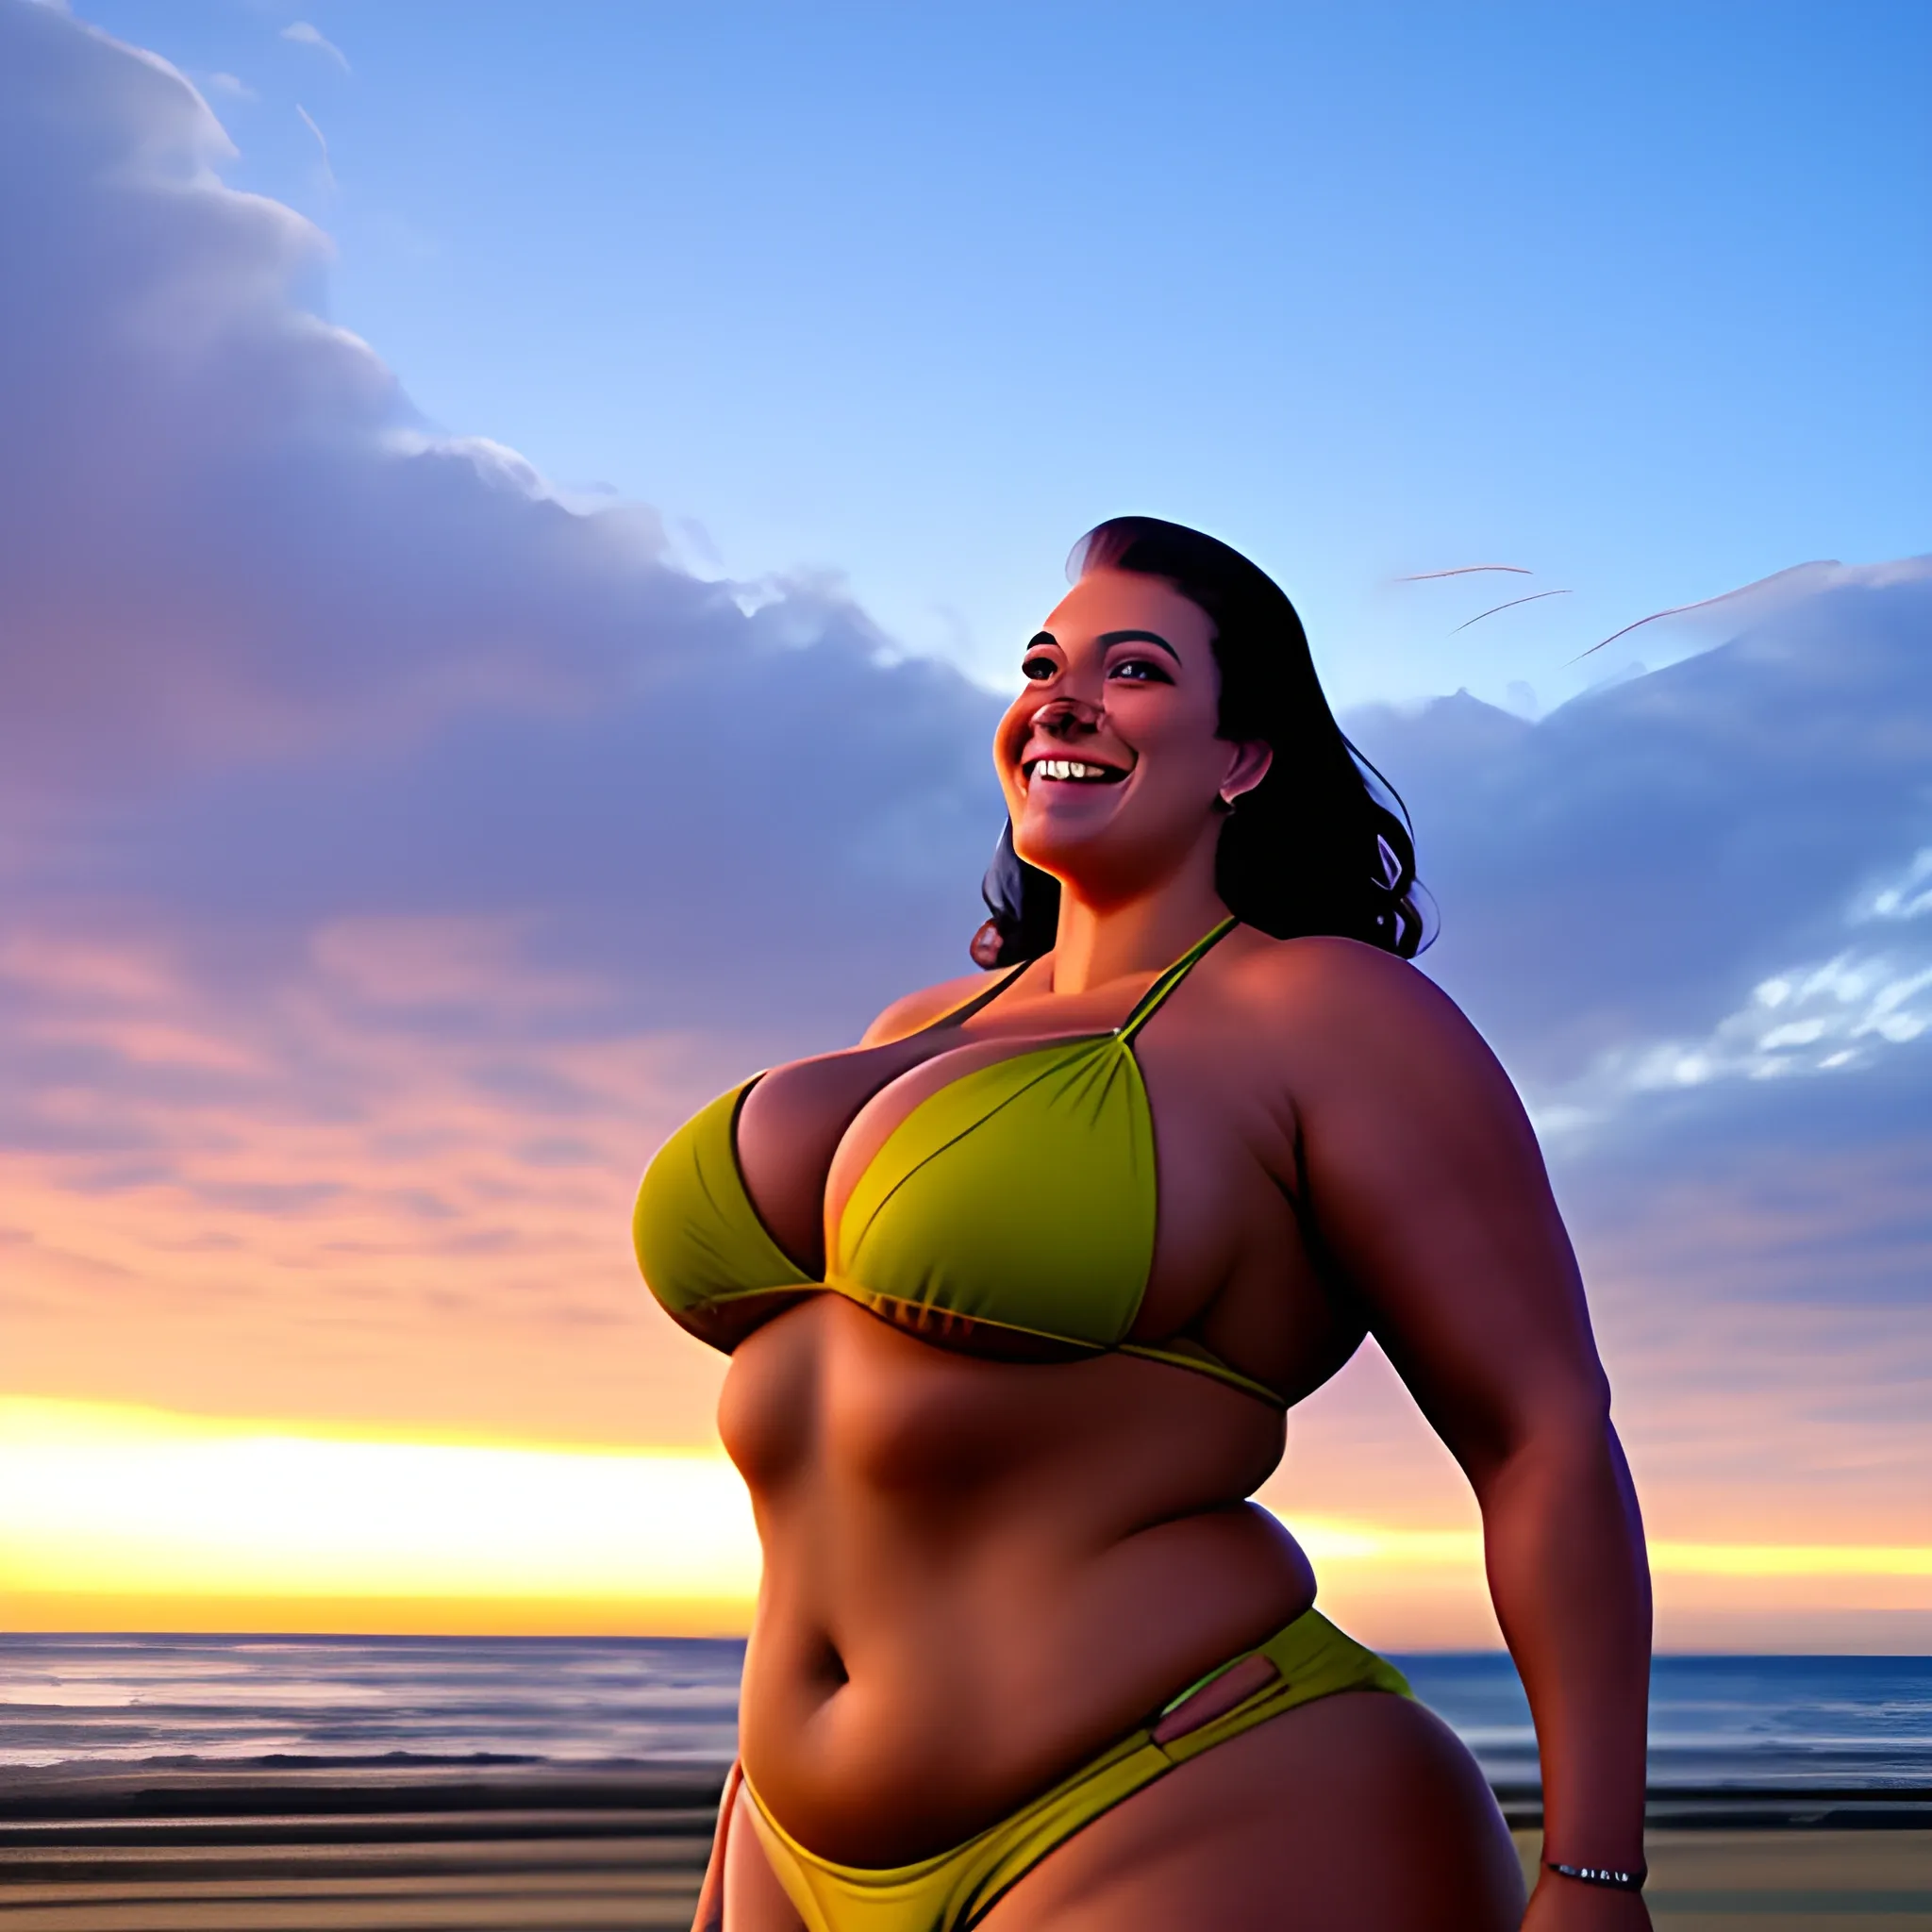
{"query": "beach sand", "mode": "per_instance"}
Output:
(639, 1886)
(303, 1846)
(422, 1847)
(1702, 1881)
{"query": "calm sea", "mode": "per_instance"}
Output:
(1760, 1723)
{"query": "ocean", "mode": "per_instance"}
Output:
(1743, 1725)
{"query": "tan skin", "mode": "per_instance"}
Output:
(980, 1572)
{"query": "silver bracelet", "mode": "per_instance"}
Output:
(1602, 1875)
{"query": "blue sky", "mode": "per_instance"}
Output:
(395, 843)
(1636, 297)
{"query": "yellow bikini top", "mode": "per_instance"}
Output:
(1011, 1212)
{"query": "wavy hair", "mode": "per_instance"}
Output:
(1322, 844)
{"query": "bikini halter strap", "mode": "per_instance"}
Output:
(1151, 1000)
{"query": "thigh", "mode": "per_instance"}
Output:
(754, 1899)
(1361, 1812)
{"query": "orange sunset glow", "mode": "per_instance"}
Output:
(397, 842)
(394, 1370)
(114, 1518)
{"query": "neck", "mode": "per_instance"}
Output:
(1102, 939)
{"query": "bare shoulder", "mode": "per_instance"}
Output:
(916, 1010)
(1402, 1117)
(1324, 1006)
(1280, 983)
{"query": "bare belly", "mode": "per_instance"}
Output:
(977, 1573)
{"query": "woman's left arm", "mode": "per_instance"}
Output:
(1426, 1187)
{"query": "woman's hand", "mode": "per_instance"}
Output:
(1567, 1905)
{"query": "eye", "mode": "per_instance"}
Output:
(1139, 671)
(1039, 666)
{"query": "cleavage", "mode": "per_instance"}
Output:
(807, 1131)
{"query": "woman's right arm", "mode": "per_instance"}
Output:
(1425, 1182)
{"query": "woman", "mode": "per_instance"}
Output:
(1019, 1288)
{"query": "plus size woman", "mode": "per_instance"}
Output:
(1019, 1290)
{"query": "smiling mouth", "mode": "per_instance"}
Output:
(1071, 772)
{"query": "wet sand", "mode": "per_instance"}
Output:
(421, 1848)
(1794, 1881)
(488, 1888)
(493, 1851)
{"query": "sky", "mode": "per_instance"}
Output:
(1630, 296)
(513, 527)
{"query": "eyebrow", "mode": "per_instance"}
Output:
(1137, 636)
(1111, 637)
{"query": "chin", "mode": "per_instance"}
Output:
(1058, 848)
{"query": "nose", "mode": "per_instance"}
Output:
(1067, 717)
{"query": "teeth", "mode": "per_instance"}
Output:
(1068, 768)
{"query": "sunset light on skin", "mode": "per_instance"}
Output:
(399, 839)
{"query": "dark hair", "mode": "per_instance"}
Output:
(1322, 845)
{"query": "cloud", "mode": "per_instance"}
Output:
(393, 850)
(321, 140)
(1637, 872)
(373, 816)
(326, 657)
(1690, 912)
(306, 36)
(1732, 608)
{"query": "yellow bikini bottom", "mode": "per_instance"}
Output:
(1310, 1658)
